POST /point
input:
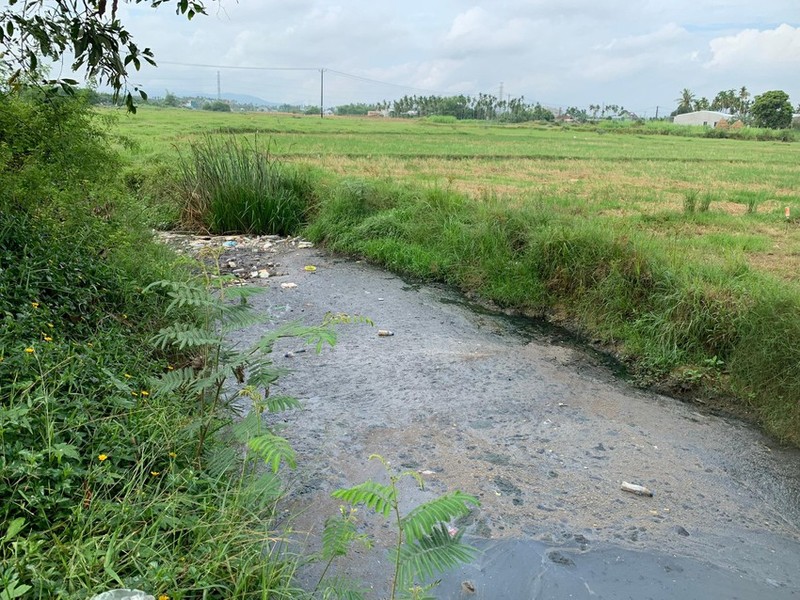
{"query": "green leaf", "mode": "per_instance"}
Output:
(380, 498)
(338, 534)
(185, 335)
(273, 449)
(424, 518)
(281, 403)
(14, 528)
(61, 450)
(435, 553)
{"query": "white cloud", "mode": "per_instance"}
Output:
(753, 48)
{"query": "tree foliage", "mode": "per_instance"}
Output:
(773, 110)
(88, 31)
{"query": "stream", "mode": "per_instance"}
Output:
(542, 431)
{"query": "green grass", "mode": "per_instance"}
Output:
(101, 485)
(673, 250)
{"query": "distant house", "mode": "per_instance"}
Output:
(707, 118)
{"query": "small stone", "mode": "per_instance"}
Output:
(305, 245)
(253, 273)
(263, 274)
(288, 285)
(681, 531)
(561, 559)
(232, 264)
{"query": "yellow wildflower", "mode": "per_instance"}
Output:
(35, 304)
(134, 393)
(163, 597)
(127, 376)
(144, 393)
(29, 350)
(47, 338)
(50, 325)
(172, 455)
(170, 368)
(102, 457)
(155, 473)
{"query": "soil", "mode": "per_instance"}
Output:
(537, 426)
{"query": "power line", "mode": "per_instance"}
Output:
(182, 64)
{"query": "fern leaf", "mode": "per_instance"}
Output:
(185, 294)
(264, 374)
(341, 588)
(418, 523)
(264, 490)
(183, 335)
(239, 316)
(248, 427)
(273, 449)
(276, 404)
(380, 498)
(220, 460)
(173, 380)
(242, 293)
(338, 534)
(434, 553)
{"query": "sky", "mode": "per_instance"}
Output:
(639, 54)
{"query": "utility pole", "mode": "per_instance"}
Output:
(219, 89)
(656, 112)
(500, 96)
(321, 93)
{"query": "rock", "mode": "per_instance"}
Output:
(561, 559)
(288, 285)
(681, 531)
(263, 274)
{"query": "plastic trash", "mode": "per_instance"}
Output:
(639, 490)
(123, 594)
(229, 244)
(385, 333)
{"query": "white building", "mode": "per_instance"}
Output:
(708, 118)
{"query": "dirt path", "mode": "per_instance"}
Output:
(543, 433)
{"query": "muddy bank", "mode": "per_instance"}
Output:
(542, 432)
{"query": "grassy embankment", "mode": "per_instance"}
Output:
(109, 477)
(673, 250)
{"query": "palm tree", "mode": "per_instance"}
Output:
(685, 102)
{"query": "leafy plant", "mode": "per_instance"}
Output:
(425, 544)
(232, 185)
(217, 310)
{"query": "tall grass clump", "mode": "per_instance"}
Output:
(101, 481)
(231, 185)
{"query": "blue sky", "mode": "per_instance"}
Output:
(558, 52)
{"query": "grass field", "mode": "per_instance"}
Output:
(627, 181)
(672, 249)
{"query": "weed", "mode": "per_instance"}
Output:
(231, 185)
(689, 201)
(426, 543)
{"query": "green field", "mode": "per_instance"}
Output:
(627, 181)
(671, 249)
